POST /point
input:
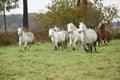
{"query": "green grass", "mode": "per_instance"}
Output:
(42, 63)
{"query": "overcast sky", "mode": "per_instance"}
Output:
(33, 6)
(40, 5)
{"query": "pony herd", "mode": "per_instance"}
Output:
(76, 36)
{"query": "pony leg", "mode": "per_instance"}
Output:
(20, 43)
(78, 44)
(91, 47)
(94, 45)
(59, 44)
(56, 45)
(85, 48)
(29, 46)
(100, 41)
(74, 44)
(55, 48)
(70, 42)
(105, 41)
(65, 43)
(108, 41)
(25, 46)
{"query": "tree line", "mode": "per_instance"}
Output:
(7, 5)
(16, 20)
(61, 12)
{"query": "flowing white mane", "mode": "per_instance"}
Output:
(71, 24)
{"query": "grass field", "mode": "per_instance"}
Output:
(42, 63)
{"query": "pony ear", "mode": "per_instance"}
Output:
(80, 22)
(23, 28)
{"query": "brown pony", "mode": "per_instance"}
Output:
(104, 34)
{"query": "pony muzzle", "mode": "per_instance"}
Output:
(68, 32)
(19, 34)
(79, 31)
(50, 35)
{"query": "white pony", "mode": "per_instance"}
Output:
(66, 37)
(57, 29)
(74, 35)
(88, 37)
(25, 37)
(57, 37)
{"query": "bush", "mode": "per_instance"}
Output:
(9, 38)
(115, 33)
(12, 38)
(41, 35)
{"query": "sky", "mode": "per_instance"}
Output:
(33, 6)
(40, 5)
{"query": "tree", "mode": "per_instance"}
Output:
(60, 12)
(108, 13)
(84, 2)
(78, 2)
(25, 14)
(7, 5)
(44, 21)
(83, 5)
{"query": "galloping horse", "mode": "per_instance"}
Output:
(56, 38)
(25, 37)
(104, 34)
(58, 29)
(88, 37)
(74, 35)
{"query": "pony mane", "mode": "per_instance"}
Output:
(81, 23)
(101, 26)
(71, 24)
(19, 28)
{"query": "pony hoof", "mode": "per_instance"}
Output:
(73, 48)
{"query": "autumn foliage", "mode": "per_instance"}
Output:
(12, 38)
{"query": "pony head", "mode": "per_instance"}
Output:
(56, 28)
(82, 27)
(20, 31)
(101, 26)
(70, 27)
(50, 32)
